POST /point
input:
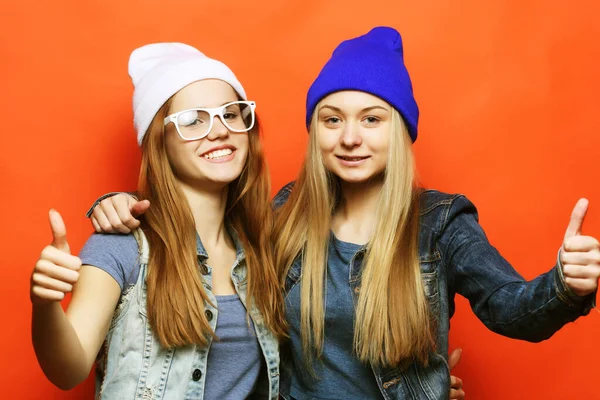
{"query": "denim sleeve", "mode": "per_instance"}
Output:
(282, 196)
(106, 196)
(500, 297)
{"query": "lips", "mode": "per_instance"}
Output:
(352, 158)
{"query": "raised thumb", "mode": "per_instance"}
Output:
(577, 218)
(59, 232)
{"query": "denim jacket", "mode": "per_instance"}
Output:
(456, 257)
(134, 365)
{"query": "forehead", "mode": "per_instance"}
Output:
(352, 100)
(205, 93)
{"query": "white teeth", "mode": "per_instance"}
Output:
(218, 154)
(352, 158)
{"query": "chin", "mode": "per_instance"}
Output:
(224, 179)
(221, 172)
(211, 179)
(354, 178)
(359, 177)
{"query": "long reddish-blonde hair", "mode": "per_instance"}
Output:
(176, 297)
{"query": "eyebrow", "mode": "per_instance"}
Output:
(363, 110)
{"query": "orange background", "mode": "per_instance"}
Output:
(508, 92)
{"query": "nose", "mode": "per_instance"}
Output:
(218, 130)
(351, 136)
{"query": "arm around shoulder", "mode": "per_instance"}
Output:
(282, 195)
(117, 212)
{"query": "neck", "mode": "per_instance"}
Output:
(208, 209)
(355, 218)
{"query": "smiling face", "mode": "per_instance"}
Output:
(353, 133)
(218, 158)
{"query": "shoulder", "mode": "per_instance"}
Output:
(110, 243)
(116, 254)
(437, 208)
(282, 195)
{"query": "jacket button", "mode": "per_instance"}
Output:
(209, 315)
(196, 375)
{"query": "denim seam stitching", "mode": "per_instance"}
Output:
(522, 316)
(437, 204)
(425, 385)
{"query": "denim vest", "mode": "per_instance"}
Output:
(456, 257)
(134, 365)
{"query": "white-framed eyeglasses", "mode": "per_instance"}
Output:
(196, 123)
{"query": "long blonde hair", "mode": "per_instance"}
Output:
(176, 297)
(392, 323)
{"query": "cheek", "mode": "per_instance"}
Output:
(380, 142)
(242, 144)
(179, 152)
(326, 143)
(172, 148)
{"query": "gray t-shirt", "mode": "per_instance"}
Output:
(338, 372)
(115, 254)
(235, 361)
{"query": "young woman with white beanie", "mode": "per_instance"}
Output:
(188, 305)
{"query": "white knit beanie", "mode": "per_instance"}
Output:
(160, 70)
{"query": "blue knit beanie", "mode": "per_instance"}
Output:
(371, 63)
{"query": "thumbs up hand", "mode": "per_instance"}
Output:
(56, 270)
(580, 255)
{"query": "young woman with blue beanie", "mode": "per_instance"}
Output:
(188, 305)
(370, 262)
